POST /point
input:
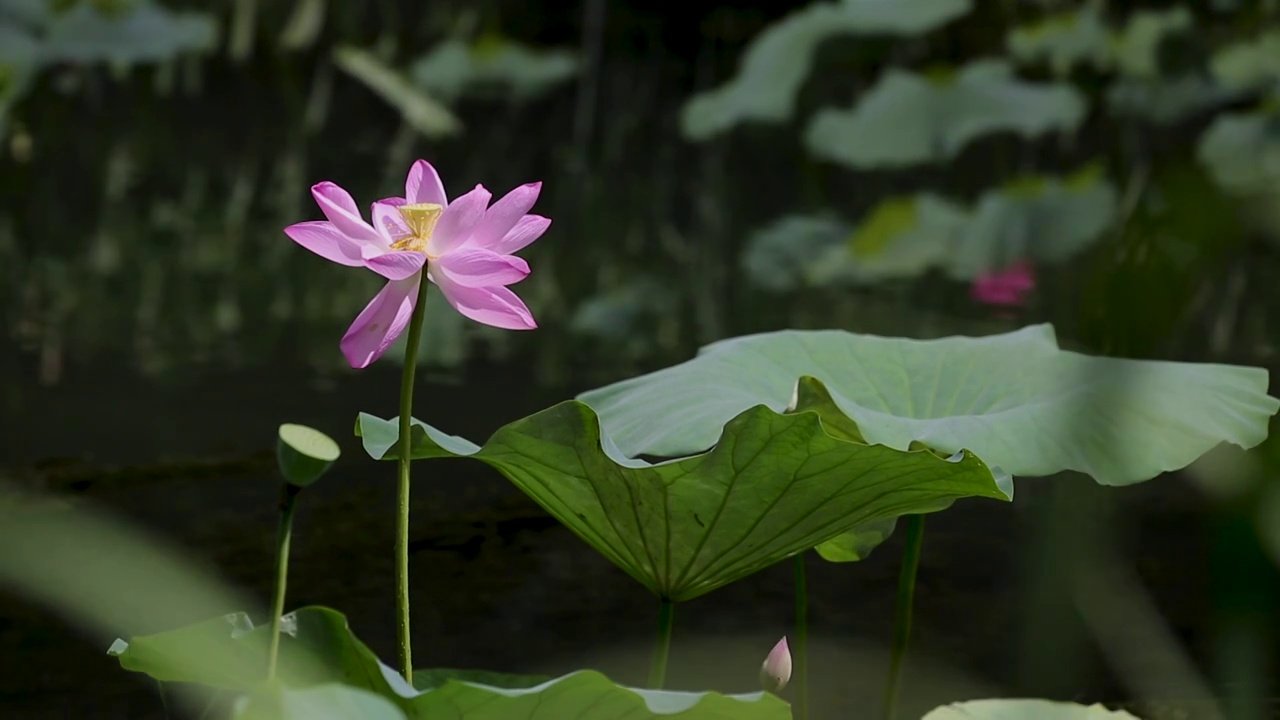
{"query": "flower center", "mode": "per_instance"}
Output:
(421, 219)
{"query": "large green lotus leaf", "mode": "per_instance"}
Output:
(1015, 399)
(1028, 709)
(492, 64)
(772, 485)
(777, 62)
(1249, 64)
(1046, 219)
(145, 32)
(319, 650)
(331, 701)
(1065, 40)
(909, 119)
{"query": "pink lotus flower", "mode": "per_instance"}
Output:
(775, 673)
(1006, 287)
(464, 247)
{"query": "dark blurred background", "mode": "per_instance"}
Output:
(1121, 168)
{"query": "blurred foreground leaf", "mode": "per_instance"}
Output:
(320, 651)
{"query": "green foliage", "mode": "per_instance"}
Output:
(1046, 219)
(910, 119)
(304, 454)
(326, 672)
(777, 62)
(773, 485)
(1014, 399)
(492, 66)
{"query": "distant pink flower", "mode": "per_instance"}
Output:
(465, 247)
(1007, 287)
(775, 673)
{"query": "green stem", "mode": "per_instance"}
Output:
(288, 503)
(402, 503)
(800, 659)
(658, 667)
(902, 615)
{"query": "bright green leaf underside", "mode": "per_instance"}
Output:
(320, 651)
(1015, 399)
(773, 485)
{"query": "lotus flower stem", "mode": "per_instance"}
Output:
(658, 666)
(802, 639)
(405, 452)
(288, 502)
(902, 615)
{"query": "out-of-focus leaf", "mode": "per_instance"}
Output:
(777, 61)
(1249, 64)
(330, 701)
(1241, 151)
(909, 119)
(778, 257)
(1165, 101)
(1065, 40)
(1137, 48)
(902, 237)
(146, 32)
(304, 24)
(1043, 219)
(419, 109)
(625, 314)
(492, 66)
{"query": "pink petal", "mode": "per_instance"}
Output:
(388, 220)
(323, 239)
(397, 264)
(380, 323)
(473, 267)
(503, 215)
(526, 230)
(459, 220)
(423, 185)
(337, 205)
(496, 306)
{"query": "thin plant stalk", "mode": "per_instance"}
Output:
(288, 503)
(902, 615)
(801, 657)
(662, 649)
(402, 502)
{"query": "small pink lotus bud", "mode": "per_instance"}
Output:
(776, 670)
